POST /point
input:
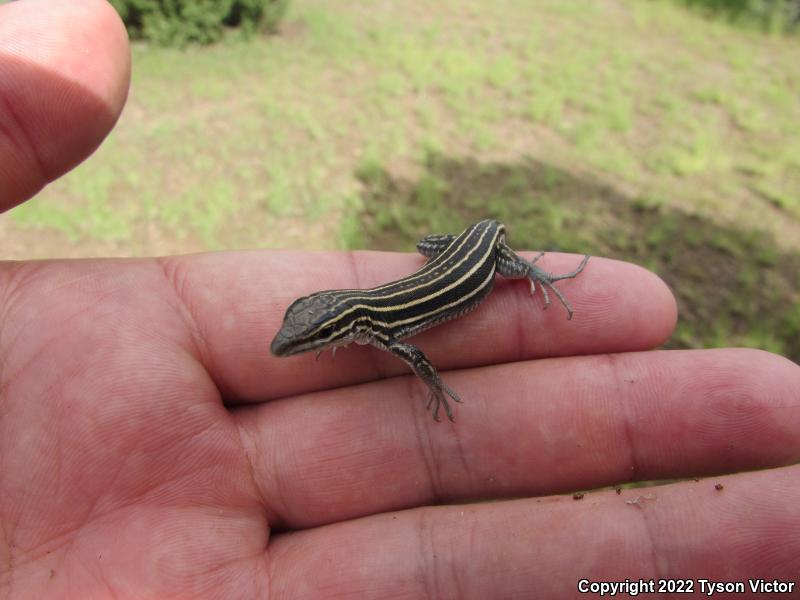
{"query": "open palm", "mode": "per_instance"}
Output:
(151, 447)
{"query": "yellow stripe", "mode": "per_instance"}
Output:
(400, 307)
(423, 316)
(397, 307)
(478, 264)
(446, 255)
(425, 270)
(370, 295)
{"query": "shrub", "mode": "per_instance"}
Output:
(180, 22)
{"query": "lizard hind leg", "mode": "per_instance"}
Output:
(433, 245)
(512, 265)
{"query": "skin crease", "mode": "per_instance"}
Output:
(150, 447)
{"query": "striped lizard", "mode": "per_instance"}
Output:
(458, 276)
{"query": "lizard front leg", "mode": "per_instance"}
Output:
(423, 368)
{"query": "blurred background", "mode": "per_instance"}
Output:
(662, 132)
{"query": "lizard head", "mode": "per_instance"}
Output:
(310, 323)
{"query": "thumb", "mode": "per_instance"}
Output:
(64, 75)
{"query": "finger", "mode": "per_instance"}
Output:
(544, 548)
(238, 301)
(64, 71)
(528, 428)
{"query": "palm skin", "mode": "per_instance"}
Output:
(150, 447)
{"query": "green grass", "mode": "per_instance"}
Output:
(359, 128)
(735, 286)
(771, 16)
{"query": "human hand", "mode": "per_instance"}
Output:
(150, 446)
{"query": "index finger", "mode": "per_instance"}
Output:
(237, 301)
